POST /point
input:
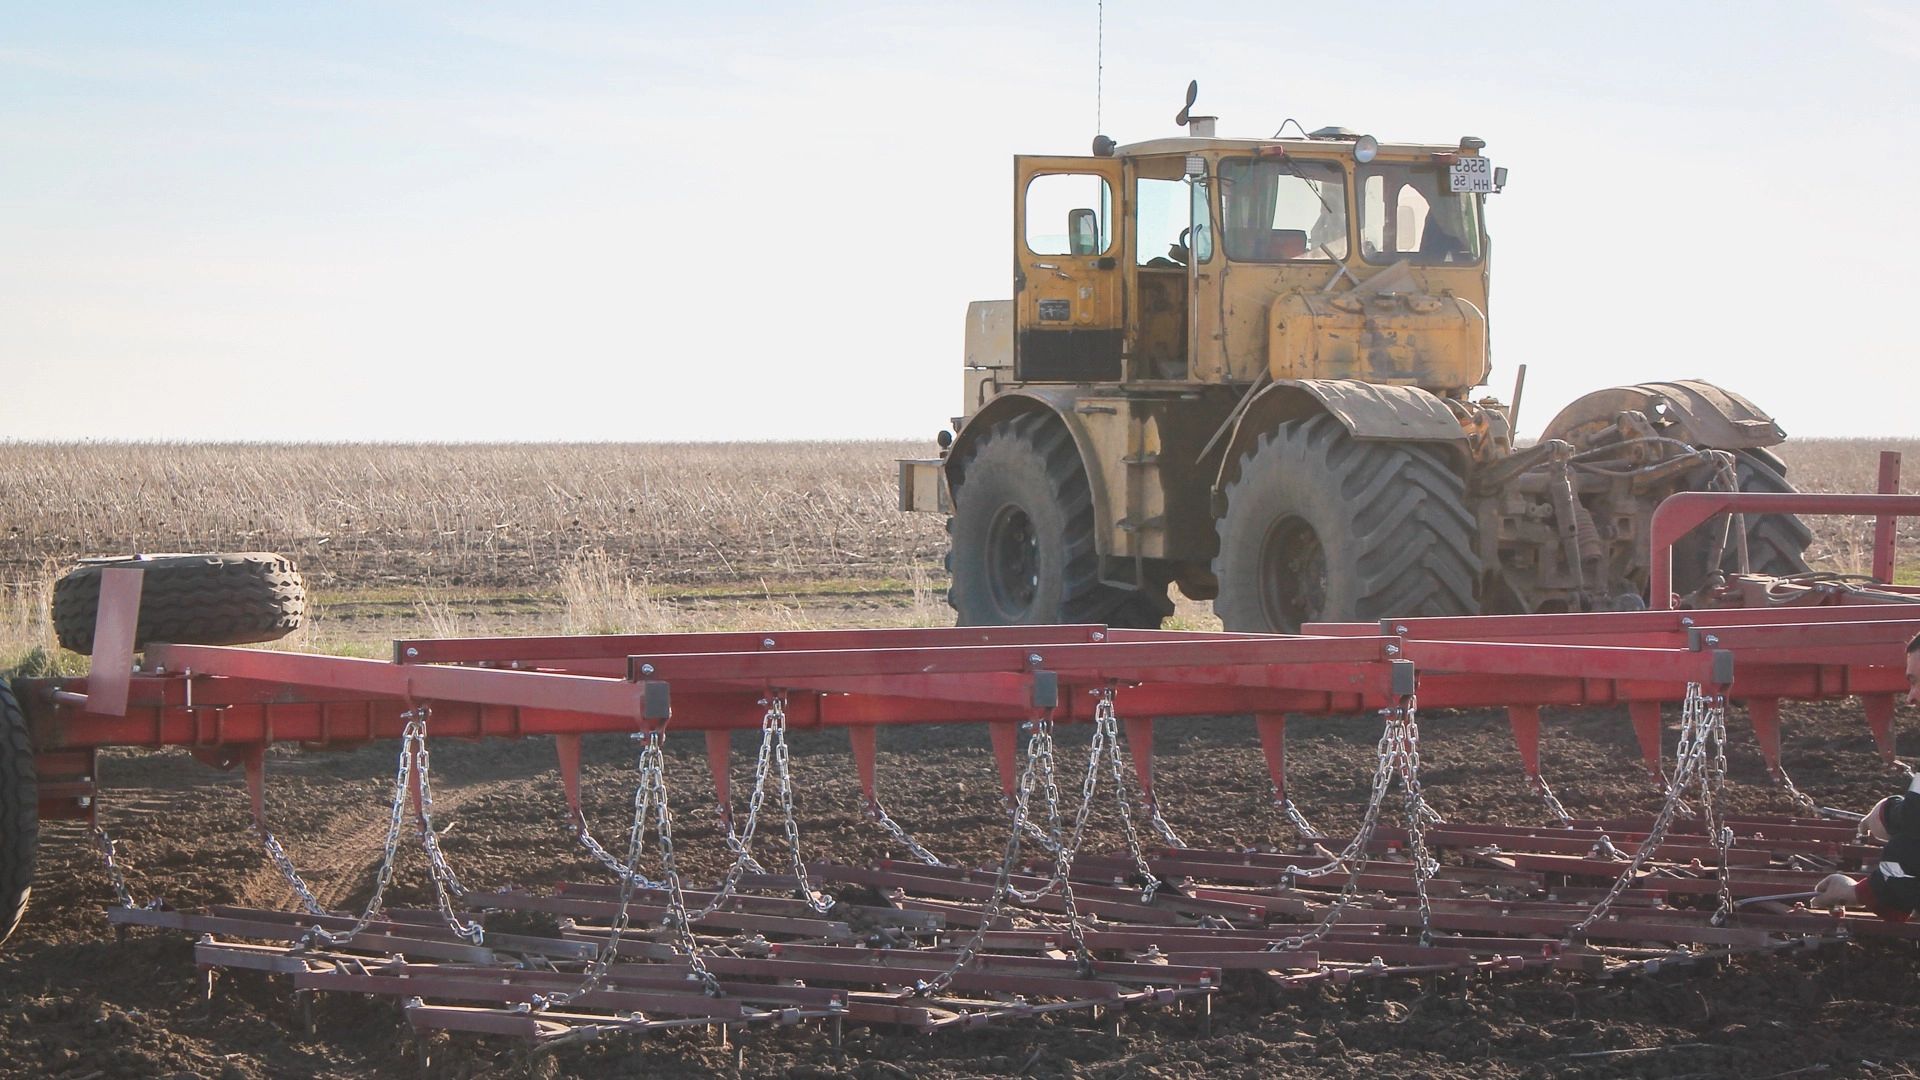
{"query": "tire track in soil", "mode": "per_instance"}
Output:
(352, 844)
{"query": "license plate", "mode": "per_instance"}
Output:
(1471, 174)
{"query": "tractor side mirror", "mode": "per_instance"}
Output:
(1083, 233)
(1499, 177)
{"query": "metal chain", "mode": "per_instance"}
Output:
(114, 873)
(1711, 784)
(1552, 801)
(1039, 732)
(1354, 857)
(1689, 757)
(1104, 719)
(1801, 801)
(1299, 821)
(396, 813)
(777, 722)
(604, 957)
(1041, 769)
(284, 863)
(1418, 813)
(900, 835)
(607, 858)
(677, 920)
(446, 886)
(741, 843)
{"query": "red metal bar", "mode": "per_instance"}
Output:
(1655, 629)
(1883, 525)
(555, 651)
(1678, 514)
(116, 626)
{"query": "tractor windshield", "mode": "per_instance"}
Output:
(1408, 214)
(1283, 210)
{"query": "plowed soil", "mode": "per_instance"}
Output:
(77, 1004)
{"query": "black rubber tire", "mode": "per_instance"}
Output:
(227, 599)
(19, 812)
(1022, 536)
(1324, 527)
(1776, 543)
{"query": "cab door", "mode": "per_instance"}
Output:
(1069, 322)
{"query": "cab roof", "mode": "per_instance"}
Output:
(1185, 144)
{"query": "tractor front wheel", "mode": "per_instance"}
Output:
(1023, 536)
(1324, 527)
(19, 812)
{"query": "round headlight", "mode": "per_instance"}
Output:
(1364, 148)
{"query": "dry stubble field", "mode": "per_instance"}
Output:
(411, 539)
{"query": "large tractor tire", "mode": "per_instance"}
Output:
(1022, 530)
(1324, 527)
(1776, 543)
(19, 812)
(190, 599)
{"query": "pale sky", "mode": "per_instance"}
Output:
(407, 221)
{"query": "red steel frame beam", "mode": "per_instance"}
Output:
(1679, 514)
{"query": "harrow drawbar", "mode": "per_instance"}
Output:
(1054, 925)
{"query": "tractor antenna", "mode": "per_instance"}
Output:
(1099, 62)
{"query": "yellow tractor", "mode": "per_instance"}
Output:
(1245, 367)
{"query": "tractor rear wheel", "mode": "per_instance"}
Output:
(1776, 543)
(1324, 527)
(190, 599)
(19, 812)
(1022, 531)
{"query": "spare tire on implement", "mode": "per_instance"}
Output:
(227, 599)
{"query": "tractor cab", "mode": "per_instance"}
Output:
(1169, 260)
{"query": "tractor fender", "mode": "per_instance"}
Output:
(1366, 410)
(1690, 410)
(1060, 402)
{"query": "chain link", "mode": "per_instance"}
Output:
(291, 874)
(446, 886)
(777, 725)
(396, 813)
(1353, 858)
(649, 795)
(1105, 720)
(1298, 820)
(1801, 801)
(1700, 720)
(900, 835)
(1418, 814)
(1039, 737)
(741, 843)
(1550, 800)
(114, 873)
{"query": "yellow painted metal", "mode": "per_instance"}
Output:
(1438, 343)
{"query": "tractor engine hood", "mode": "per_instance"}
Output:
(1398, 335)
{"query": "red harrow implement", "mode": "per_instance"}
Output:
(1051, 924)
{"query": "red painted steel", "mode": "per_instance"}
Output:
(1883, 524)
(1678, 514)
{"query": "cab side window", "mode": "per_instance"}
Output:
(1069, 214)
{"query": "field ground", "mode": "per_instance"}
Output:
(425, 540)
(404, 540)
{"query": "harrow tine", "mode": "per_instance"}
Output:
(861, 738)
(720, 764)
(1646, 728)
(1006, 743)
(1525, 722)
(1879, 708)
(567, 749)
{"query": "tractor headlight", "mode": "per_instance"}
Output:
(1365, 148)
